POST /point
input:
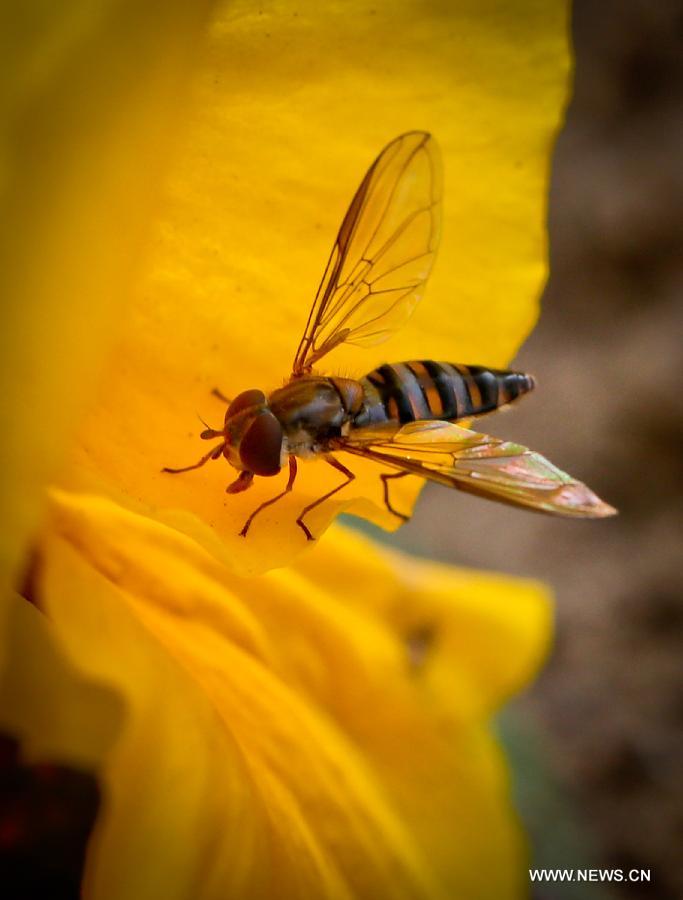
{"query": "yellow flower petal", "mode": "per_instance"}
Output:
(459, 643)
(235, 766)
(173, 776)
(451, 622)
(340, 715)
(292, 105)
(56, 715)
(87, 103)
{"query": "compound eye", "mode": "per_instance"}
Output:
(244, 401)
(261, 446)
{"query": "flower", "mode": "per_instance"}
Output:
(319, 730)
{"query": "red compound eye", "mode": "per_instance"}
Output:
(261, 446)
(244, 401)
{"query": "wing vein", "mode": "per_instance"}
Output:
(401, 186)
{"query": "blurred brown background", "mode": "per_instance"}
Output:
(598, 742)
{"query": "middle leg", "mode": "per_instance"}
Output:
(304, 512)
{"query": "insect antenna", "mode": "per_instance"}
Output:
(208, 432)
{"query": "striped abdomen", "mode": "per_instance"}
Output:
(428, 390)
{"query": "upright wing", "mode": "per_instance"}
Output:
(479, 464)
(383, 253)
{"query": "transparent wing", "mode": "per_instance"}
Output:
(383, 253)
(479, 464)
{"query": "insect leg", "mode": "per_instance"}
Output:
(304, 512)
(290, 485)
(221, 396)
(385, 476)
(214, 453)
(241, 483)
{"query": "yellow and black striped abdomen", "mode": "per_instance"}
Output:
(429, 390)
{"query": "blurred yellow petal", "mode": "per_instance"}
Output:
(174, 776)
(54, 713)
(236, 769)
(451, 623)
(460, 643)
(317, 675)
(292, 104)
(87, 94)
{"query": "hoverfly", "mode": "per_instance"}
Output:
(401, 415)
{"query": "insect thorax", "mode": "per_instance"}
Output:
(310, 410)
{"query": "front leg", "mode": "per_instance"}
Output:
(288, 488)
(243, 481)
(214, 453)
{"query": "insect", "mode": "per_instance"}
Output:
(401, 415)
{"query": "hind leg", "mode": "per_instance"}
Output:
(385, 476)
